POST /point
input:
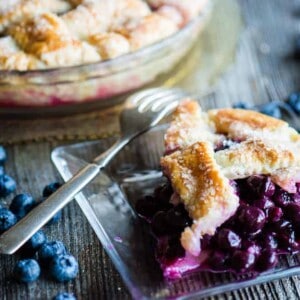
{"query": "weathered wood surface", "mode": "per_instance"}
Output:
(263, 70)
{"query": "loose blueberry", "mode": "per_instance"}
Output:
(36, 241)
(206, 241)
(281, 197)
(241, 105)
(274, 214)
(267, 260)
(271, 109)
(242, 260)
(50, 188)
(7, 185)
(63, 268)
(228, 240)
(146, 207)
(51, 249)
(217, 260)
(3, 155)
(292, 212)
(294, 102)
(64, 296)
(27, 270)
(251, 219)
(21, 205)
(7, 219)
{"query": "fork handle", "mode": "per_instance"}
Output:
(15, 237)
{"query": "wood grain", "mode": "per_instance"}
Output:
(263, 70)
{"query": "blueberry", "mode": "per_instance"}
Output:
(178, 218)
(271, 109)
(251, 247)
(268, 241)
(263, 203)
(63, 268)
(217, 260)
(294, 102)
(64, 296)
(206, 241)
(3, 155)
(50, 250)
(267, 260)
(251, 219)
(36, 241)
(7, 219)
(27, 270)
(174, 249)
(281, 197)
(159, 224)
(146, 207)
(261, 186)
(274, 214)
(50, 188)
(241, 105)
(162, 195)
(292, 212)
(228, 240)
(241, 261)
(21, 205)
(7, 185)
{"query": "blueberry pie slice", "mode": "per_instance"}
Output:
(232, 197)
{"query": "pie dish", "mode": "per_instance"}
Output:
(232, 198)
(40, 34)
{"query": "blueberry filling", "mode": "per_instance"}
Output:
(265, 225)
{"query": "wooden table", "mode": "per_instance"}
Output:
(263, 70)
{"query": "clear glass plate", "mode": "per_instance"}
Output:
(108, 204)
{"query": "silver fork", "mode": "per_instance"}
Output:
(142, 111)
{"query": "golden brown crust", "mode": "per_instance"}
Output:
(189, 125)
(257, 157)
(200, 177)
(47, 37)
(204, 190)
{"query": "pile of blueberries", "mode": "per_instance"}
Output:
(266, 224)
(38, 253)
(274, 108)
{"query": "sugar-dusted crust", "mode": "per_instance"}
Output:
(206, 193)
(200, 177)
(257, 157)
(243, 124)
(189, 125)
(47, 37)
(110, 45)
(148, 30)
(89, 18)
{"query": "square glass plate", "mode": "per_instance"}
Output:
(108, 204)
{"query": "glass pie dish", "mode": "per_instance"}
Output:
(128, 240)
(98, 81)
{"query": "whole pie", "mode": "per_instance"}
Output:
(232, 197)
(38, 34)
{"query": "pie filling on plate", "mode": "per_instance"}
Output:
(232, 197)
(39, 34)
